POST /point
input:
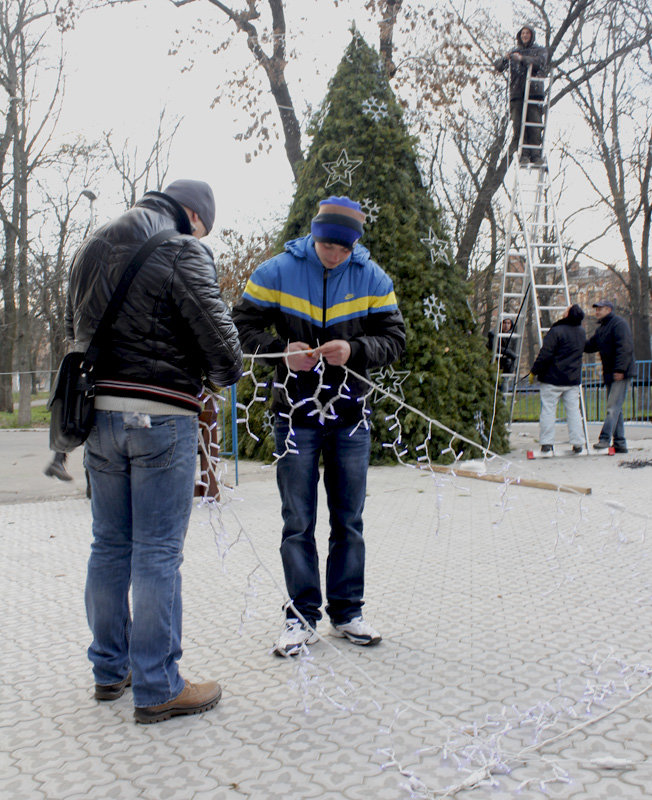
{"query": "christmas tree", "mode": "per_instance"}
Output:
(361, 149)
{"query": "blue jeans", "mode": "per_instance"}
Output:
(614, 423)
(141, 470)
(346, 459)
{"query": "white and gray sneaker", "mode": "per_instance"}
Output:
(357, 631)
(293, 638)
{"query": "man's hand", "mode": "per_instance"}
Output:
(619, 376)
(336, 352)
(517, 57)
(301, 362)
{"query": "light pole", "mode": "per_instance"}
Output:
(91, 197)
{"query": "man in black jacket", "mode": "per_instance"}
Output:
(326, 305)
(173, 333)
(518, 60)
(559, 369)
(613, 339)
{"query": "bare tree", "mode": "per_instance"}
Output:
(66, 215)
(140, 173)
(617, 107)
(30, 95)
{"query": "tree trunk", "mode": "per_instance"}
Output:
(494, 176)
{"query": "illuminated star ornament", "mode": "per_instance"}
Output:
(374, 108)
(434, 309)
(341, 170)
(370, 210)
(389, 379)
(439, 248)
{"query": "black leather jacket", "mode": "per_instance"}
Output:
(174, 331)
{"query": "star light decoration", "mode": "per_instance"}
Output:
(370, 210)
(341, 170)
(375, 108)
(390, 380)
(434, 309)
(439, 248)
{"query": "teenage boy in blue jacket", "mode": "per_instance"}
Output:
(326, 305)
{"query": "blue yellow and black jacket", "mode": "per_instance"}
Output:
(292, 297)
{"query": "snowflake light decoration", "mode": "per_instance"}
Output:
(389, 379)
(268, 420)
(479, 425)
(439, 248)
(321, 116)
(374, 108)
(370, 209)
(341, 170)
(434, 309)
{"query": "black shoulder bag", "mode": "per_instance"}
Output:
(72, 400)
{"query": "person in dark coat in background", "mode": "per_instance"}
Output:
(559, 370)
(525, 53)
(613, 340)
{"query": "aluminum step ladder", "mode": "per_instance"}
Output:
(534, 271)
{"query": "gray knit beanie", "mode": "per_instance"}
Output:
(195, 195)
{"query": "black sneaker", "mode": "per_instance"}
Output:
(601, 445)
(620, 449)
(577, 448)
(547, 448)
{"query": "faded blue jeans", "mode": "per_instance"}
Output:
(346, 459)
(141, 471)
(614, 422)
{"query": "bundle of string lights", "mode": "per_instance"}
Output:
(512, 636)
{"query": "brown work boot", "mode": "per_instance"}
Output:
(194, 699)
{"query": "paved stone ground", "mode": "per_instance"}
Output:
(516, 660)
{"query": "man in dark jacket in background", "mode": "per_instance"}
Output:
(613, 339)
(327, 305)
(172, 333)
(559, 370)
(518, 60)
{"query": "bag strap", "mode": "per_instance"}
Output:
(108, 318)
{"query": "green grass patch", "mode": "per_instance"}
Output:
(40, 418)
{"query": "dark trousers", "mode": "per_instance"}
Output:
(345, 454)
(532, 136)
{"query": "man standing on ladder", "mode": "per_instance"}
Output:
(518, 60)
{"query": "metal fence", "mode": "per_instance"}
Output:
(636, 409)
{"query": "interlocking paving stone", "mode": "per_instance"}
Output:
(483, 609)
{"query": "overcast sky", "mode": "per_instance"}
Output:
(120, 76)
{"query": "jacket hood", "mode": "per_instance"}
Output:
(305, 248)
(575, 315)
(518, 36)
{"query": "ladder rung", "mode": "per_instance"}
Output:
(513, 294)
(515, 275)
(550, 286)
(552, 308)
(534, 125)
